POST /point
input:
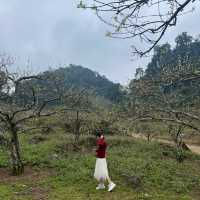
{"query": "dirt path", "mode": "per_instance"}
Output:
(193, 148)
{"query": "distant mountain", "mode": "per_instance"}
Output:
(79, 77)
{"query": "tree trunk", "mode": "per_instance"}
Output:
(16, 162)
(77, 127)
(148, 137)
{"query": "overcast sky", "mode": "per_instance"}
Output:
(50, 33)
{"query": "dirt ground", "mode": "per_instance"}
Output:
(29, 181)
(29, 174)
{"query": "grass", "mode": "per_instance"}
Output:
(58, 171)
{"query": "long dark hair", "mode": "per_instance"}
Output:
(99, 133)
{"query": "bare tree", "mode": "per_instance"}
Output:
(15, 113)
(76, 102)
(142, 19)
(167, 99)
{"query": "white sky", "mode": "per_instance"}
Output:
(51, 33)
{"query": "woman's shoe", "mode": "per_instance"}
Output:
(100, 186)
(111, 186)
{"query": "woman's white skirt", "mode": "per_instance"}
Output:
(101, 169)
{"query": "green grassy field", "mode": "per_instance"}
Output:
(55, 170)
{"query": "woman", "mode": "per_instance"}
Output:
(101, 170)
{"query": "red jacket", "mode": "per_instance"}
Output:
(101, 148)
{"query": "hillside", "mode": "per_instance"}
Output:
(167, 91)
(142, 170)
(78, 77)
